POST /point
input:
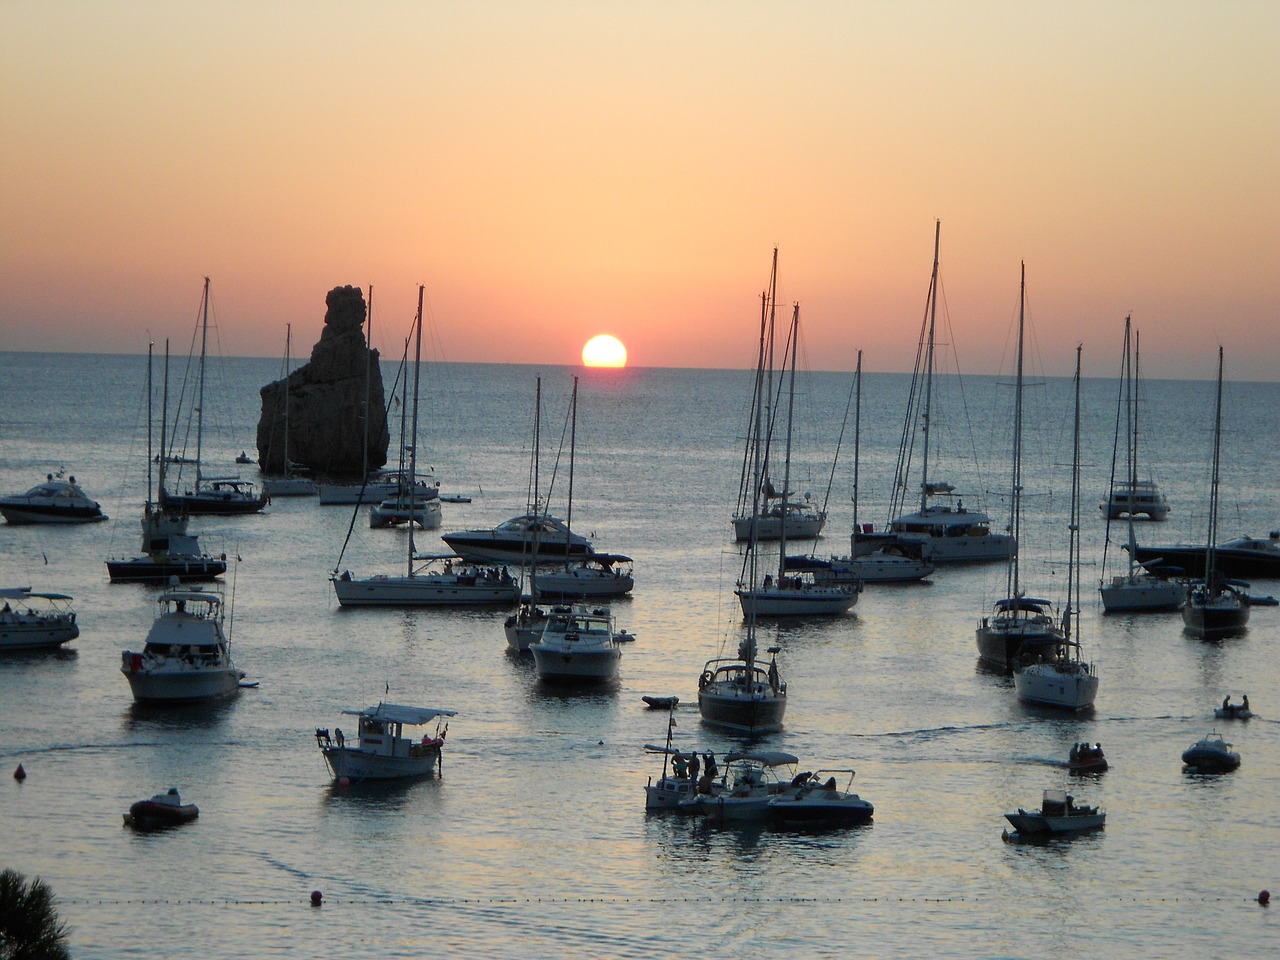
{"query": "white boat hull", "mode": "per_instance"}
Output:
(423, 591)
(580, 584)
(806, 601)
(289, 487)
(1140, 594)
(355, 764)
(1046, 684)
(873, 568)
(16, 635)
(770, 528)
(1038, 823)
(558, 663)
(176, 685)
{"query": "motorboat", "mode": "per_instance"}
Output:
(1211, 754)
(26, 624)
(596, 576)
(431, 580)
(749, 783)
(162, 810)
(525, 625)
(820, 802)
(1233, 711)
(187, 657)
(1245, 558)
(1135, 498)
(201, 493)
(680, 780)
(168, 551)
(406, 506)
(742, 695)
(59, 499)
(1086, 758)
(1058, 813)
(660, 702)
(244, 458)
(513, 541)
(949, 531)
(381, 750)
(577, 643)
(796, 595)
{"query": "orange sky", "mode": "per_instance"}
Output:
(554, 170)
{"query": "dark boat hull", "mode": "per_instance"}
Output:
(211, 504)
(1189, 560)
(149, 570)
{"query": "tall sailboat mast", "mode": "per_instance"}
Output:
(1015, 507)
(413, 448)
(786, 469)
(204, 343)
(928, 368)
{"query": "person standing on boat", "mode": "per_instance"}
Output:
(709, 766)
(694, 765)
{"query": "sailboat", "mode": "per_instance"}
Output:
(432, 579)
(1138, 589)
(592, 576)
(1019, 625)
(1063, 679)
(1132, 497)
(739, 693)
(289, 485)
(774, 515)
(168, 550)
(1215, 607)
(794, 593)
(375, 485)
(950, 533)
(213, 495)
(412, 501)
(898, 562)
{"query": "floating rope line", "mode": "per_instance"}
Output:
(492, 901)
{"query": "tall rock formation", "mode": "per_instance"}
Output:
(327, 400)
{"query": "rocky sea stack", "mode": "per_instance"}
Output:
(327, 399)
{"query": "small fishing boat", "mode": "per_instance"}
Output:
(1086, 758)
(162, 810)
(1211, 754)
(1058, 814)
(381, 750)
(680, 780)
(819, 802)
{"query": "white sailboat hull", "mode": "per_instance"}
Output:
(805, 601)
(1072, 686)
(424, 591)
(1137, 594)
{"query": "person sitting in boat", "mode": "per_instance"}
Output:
(1226, 702)
(680, 766)
(1244, 702)
(704, 784)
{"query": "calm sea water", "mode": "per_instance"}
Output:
(534, 842)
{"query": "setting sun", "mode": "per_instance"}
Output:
(604, 351)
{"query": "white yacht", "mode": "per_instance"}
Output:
(187, 656)
(59, 499)
(577, 643)
(35, 621)
(381, 750)
(516, 539)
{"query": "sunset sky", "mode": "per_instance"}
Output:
(555, 170)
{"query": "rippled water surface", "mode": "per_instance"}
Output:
(534, 841)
